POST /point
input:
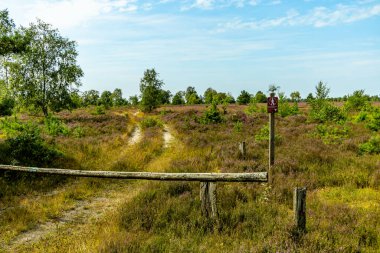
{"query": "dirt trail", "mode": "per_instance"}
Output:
(84, 212)
(168, 137)
(91, 209)
(136, 136)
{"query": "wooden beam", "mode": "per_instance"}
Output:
(211, 177)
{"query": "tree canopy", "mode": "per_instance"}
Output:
(47, 72)
(150, 87)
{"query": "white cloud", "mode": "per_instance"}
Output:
(67, 13)
(318, 17)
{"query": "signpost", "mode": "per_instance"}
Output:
(272, 108)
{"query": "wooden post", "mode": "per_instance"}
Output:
(243, 150)
(271, 142)
(299, 206)
(208, 199)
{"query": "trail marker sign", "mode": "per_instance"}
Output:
(272, 104)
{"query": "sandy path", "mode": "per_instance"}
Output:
(168, 137)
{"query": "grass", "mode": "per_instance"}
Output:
(342, 201)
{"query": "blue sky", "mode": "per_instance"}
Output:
(229, 45)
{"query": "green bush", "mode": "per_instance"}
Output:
(285, 109)
(6, 106)
(150, 122)
(11, 126)
(324, 111)
(374, 121)
(29, 149)
(99, 110)
(238, 126)
(263, 134)
(55, 127)
(332, 134)
(371, 147)
(211, 115)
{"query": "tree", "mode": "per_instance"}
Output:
(310, 97)
(117, 98)
(321, 91)
(106, 99)
(295, 96)
(260, 97)
(178, 98)
(150, 87)
(165, 96)
(191, 96)
(90, 97)
(134, 100)
(209, 95)
(243, 98)
(11, 41)
(44, 75)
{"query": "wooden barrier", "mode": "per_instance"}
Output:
(201, 177)
(208, 180)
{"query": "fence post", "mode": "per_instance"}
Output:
(243, 149)
(271, 141)
(299, 206)
(208, 198)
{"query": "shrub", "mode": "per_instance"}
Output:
(6, 106)
(11, 126)
(99, 110)
(325, 111)
(55, 127)
(211, 115)
(374, 121)
(28, 148)
(150, 122)
(332, 134)
(357, 101)
(263, 134)
(371, 147)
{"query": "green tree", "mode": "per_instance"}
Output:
(191, 96)
(295, 96)
(165, 96)
(134, 100)
(11, 40)
(178, 98)
(244, 98)
(260, 97)
(117, 98)
(150, 87)
(47, 72)
(90, 97)
(209, 95)
(106, 99)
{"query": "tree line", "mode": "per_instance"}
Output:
(39, 72)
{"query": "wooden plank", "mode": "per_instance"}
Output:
(299, 206)
(214, 177)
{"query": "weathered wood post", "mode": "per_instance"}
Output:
(299, 206)
(243, 150)
(272, 107)
(208, 199)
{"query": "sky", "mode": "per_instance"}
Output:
(229, 45)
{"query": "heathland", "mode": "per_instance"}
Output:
(333, 150)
